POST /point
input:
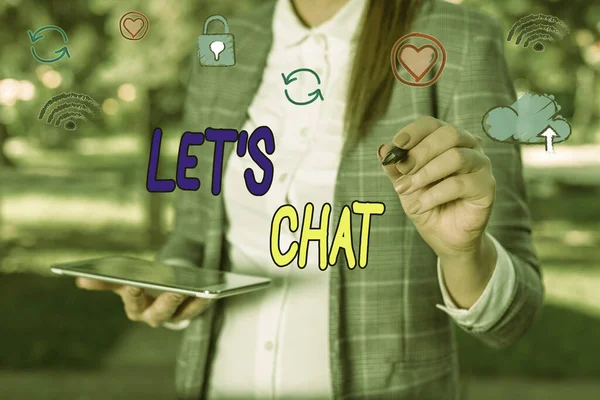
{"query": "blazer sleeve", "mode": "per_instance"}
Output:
(182, 248)
(484, 83)
(185, 245)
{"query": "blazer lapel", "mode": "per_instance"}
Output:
(219, 98)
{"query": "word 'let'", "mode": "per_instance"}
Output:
(185, 161)
(342, 237)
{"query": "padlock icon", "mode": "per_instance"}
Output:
(216, 50)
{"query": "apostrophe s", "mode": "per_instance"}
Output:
(261, 133)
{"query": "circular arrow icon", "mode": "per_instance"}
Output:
(316, 94)
(37, 35)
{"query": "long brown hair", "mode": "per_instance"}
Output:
(372, 80)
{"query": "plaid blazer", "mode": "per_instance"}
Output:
(387, 338)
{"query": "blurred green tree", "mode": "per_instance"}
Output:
(154, 69)
(141, 84)
(569, 68)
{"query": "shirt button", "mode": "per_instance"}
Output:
(269, 345)
(282, 177)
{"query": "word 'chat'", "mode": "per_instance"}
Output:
(342, 238)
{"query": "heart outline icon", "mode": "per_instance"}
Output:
(441, 53)
(133, 21)
(128, 25)
(411, 65)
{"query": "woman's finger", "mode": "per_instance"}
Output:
(135, 301)
(191, 308)
(456, 187)
(163, 309)
(412, 134)
(396, 177)
(457, 160)
(93, 284)
(436, 143)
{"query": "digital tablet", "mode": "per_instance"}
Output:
(190, 281)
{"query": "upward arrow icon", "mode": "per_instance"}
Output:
(549, 134)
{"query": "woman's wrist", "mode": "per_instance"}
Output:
(466, 275)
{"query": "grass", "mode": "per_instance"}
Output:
(563, 342)
(49, 322)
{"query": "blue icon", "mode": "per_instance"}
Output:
(69, 111)
(532, 119)
(537, 28)
(216, 50)
(37, 35)
(316, 94)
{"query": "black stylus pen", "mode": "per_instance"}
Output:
(395, 155)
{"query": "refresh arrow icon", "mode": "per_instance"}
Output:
(37, 35)
(316, 94)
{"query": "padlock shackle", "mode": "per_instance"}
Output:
(216, 18)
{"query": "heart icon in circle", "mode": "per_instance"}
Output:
(133, 26)
(418, 61)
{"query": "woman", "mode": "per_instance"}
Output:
(454, 241)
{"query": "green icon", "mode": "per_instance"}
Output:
(533, 118)
(536, 29)
(37, 35)
(216, 50)
(314, 94)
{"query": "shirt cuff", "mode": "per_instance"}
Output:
(493, 301)
(177, 326)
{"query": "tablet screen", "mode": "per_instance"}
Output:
(151, 272)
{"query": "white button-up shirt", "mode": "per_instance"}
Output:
(274, 342)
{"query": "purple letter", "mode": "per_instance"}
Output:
(260, 133)
(153, 184)
(219, 136)
(185, 161)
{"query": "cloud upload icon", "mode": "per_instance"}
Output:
(532, 119)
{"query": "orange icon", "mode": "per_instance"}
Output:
(418, 61)
(134, 25)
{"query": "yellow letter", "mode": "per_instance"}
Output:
(285, 211)
(343, 239)
(320, 234)
(366, 209)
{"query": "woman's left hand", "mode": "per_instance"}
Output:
(445, 185)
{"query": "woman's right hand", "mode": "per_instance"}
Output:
(141, 307)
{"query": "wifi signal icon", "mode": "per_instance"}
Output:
(68, 111)
(538, 28)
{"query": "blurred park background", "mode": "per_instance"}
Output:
(68, 195)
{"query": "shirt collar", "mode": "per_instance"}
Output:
(288, 30)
